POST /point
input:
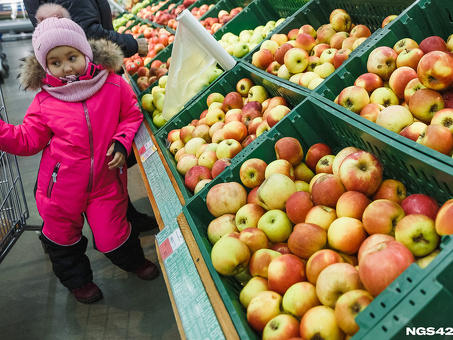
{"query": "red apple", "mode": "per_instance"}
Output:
(435, 70)
(391, 189)
(433, 43)
(219, 165)
(290, 149)
(315, 153)
(382, 61)
(284, 271)
(259, 262)
(346, 234)
(306, 239)
(298, 205)
(420, 204)
(352, 204)
(327, 189)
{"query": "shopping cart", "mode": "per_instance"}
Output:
(13, 206)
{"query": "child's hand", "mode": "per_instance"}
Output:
(118, 159)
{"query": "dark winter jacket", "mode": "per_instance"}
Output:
(94, 16)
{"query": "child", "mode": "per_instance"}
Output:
(84, 120)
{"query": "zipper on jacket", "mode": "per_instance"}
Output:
(90, 136)
(53, 180)
(118, 173)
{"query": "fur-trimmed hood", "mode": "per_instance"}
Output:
(105, 53)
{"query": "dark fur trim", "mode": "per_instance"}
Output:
(105, 53)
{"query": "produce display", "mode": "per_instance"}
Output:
(164, 17)
(213, 24)
(407, 90)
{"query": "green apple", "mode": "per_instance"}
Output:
(256, 285)
(163, 81)
(159, 121)
(240, 49)
(233, 39)
(147, 102)
(276, 225)
(245, 35)
(257, 93)
(256, 37)
(157, 89)
(279, 21)
(230, 256)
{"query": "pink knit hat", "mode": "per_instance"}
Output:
(55, 28)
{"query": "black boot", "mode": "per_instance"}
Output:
(140, 221)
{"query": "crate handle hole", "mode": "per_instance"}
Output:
(412, 302)
(384, 328)
(396, 318)
(398, 290)
(372, 315)
(409, 279)
(422, 291)
(383, 304)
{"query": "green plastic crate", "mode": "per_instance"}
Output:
(422, 19)
(224, 84)
(312, 122)
(317, 12)
(428, 304)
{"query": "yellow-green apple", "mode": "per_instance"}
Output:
(400, 78)
(213, 116)
(323, 70)
(232, 100)
(228, 148)
(306, 77)
(443, 219)
(299, 298)
(207, 159)
(214, 127)
(327, 189)
(444, 117)
(253, 125)
(248, 216)
(298, 205)
(414, 130)
(254, 286)
(259, 262)
(262, 58)
(221, 226)
(352, 204)
(337, 39)
(192, 145)
(185, 134)
(320, 260)
(295, 78)
(307, 28)
(196, 174)
(318, 49)
(305, 41)
(275, 191)
(340, 56)
(279, 166)
(341, 21)
(346, 234)
(321, 215)
(201, 185)
(371, 111)
(409, 57)
(315, 153)
(381, 61)
(314, 83)
(201, 131)
(283, 326)
(173, 135)
(296, 60)
(424, 261)
(420, 204)
(348, 306)
(179, 154)
(327, 55)
(303, 173)
(418, 233)
(276, 114)
(370, 242)
(254, 238)
(340, 156)
(225, 198)
(388, 19)
(243, 86)
(319, 322)
(252, 172)
(219, 165)
(235, 130)
(233, 115)
(394, 118)
(433, 43)
(176, 146)
(313, 61)
(412, 86)
(369, 81)
(435, 70)
(361, 171)
(270, 45)
(353, 98)
(279, 54)
(306, 239)
(404, 44)
(324, 164)
(384, 96)
(257, 93)
(391, 189)
(284, 271)
(437, 137)
(383, 264)
(289, 149)
(262, 128)
(335, 280)
(381, 217)
(276, 225)
(230, 256)
(324, 33)
(348, 43)
(185, 163)
(262, 308)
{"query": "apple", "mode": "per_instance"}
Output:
(249, 139)
(371, 111)
(381, 61)
(230, 256)
(221, 226)
(384, 96)
(352, 204)
(314, 83)
(228, 148)
(353, 98)
(327, 189)
(341, 21)
(383, 263)
(262, 58)
(370, 242)
(240, 49)
(321, 215)
(252, 172)
(319, 323)
(424, 261)
(306, 239)
(335, 280)
(185, 163)
(232, 100)
(219, 165)
(404, 44)
(412, 86)
(400, 78)
(284, 271)
(337, 39)
(435, 70)
(257, 93)
(394, 118)
(340, 56)
(213, 116)
(305, 41)
(315, 153)
(340, 156)
(306, 77)
(279, 166)
(279, 54)
(243, 86)
(324, 33)
(262, 308)
(276, 225)
(323, 70)
(444, 117)
(327, 55)
(283, 326)
(307, 28)
(409, 57)
(196, 174)
(225, 198)
(414, 130)
(348, 306)
(207, 159)
(214, 97)
(324, 165)
(318, 261)
(275, 191)
(298, 205)
(259, 262)
(346, 234)
(296, 60)
(276, 114)
(348, 43)
(381, 217)
(361, 171)
(201, 185)
(359, 31)
(289, 149)
(234, 115)
(437, 137)
(443, 219)
(254, 286)
(248, 216)
(254, 238)
(433, 43)
(420, 204)
(299, 298)
(358, 42)
(176, 146)
(388, 19)
(391, 189)
(281, 247)
(303, 173)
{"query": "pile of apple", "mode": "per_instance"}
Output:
(147, 8)
(305, 55)
(167, 16)
(408, 90)
(315, 241)
(146, 76)
(125, 20)
(203, 148)
(239, 45)
(134, 6)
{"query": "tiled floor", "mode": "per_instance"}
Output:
(33, 303)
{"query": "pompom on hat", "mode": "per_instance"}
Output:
(55, 28)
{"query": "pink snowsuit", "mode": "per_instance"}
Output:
(74, 178)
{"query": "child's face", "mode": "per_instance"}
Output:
(63, 61)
